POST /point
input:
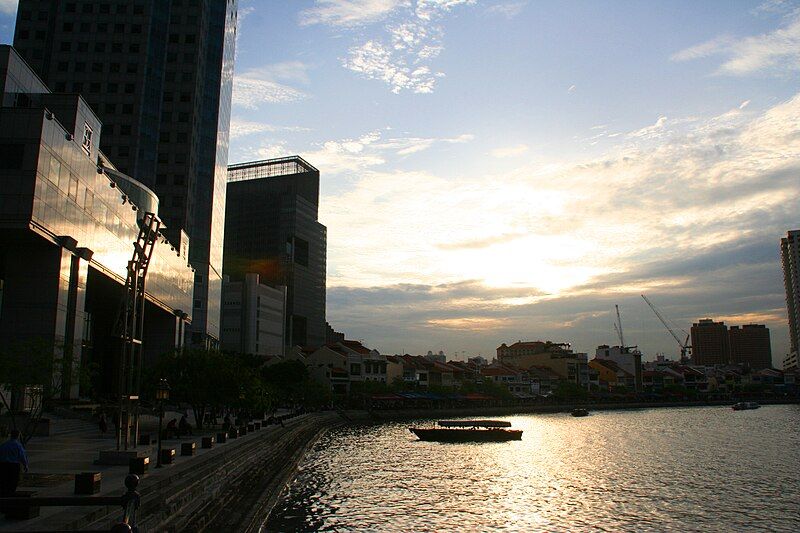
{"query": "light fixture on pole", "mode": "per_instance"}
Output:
(162, 394)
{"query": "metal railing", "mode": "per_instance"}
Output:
(128, 501)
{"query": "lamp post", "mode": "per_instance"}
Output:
(162, 393)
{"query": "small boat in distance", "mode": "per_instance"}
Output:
(580, 411)
(744, 406)
(468, 431)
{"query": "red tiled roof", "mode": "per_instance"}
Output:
(356, 346)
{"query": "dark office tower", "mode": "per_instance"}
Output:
(710, 343)
(750, 346)
(271, 229)
(158, 73)
(790, 258)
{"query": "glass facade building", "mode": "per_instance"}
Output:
(159, 75)
(68, 219)
(271, 229)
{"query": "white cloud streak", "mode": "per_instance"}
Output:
(266, 85)
(509, 151)
(775, 52)
(348, 13)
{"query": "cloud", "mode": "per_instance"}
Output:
(571, 89)
(686, 210)
(375, 61)
(744, 104)
(255, 87)
(775, 52)
(508, 9)
(348, 13)
(509, 151)
(400, 57)
(241, 128)
(8, 7)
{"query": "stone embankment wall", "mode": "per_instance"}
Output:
(228, 488)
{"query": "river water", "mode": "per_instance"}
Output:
(681, 469)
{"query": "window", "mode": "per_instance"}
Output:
(134, 48)
(355, 369)
(119, 28)
(86, 144)
(87, 8)
(63, 66)
(138, 9)
(97, 67)
(122, 9)
(116, 47)
(66, 46)
(67, 26)
(102, 27)
(114, 67)
(136, 28)
(125, 129)
(131, 68)
(83, 47)
(104, 8)
(127, 109)
(112, 87)
(80, 66)
(129, 88)
(99, 47)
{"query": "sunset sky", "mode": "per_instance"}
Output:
(497, 170)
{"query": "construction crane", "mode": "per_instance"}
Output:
(685, 347)
(619, 328)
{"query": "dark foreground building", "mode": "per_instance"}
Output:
(271, 229)
(68, 220)
(158, 74)
(790, 260)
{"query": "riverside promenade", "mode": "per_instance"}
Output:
(204, 491)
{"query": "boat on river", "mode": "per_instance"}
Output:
(744, 406)
(468, 431)
(580, 411)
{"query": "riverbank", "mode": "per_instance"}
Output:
(379, 415)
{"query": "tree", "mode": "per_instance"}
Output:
(28, 380)
(204, 379)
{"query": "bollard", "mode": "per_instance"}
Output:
(251, 427)
(222, 438)
(207, 442)
(87, 483)
(167, 456)
(188, 448)
(138, 465)
(233, 433)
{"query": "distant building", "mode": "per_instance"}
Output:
(558, 357)
(710, 343)
(790, 362)
(612, 376)
(332, 336)
(627, 357)
(271, 229)
(438, 357)
(790, 258)
(750, 346)
(252, 317)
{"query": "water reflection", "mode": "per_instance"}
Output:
(651, 470)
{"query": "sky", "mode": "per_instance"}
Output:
(503, 170)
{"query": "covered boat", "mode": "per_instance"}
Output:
(744, 406)
(468, 431)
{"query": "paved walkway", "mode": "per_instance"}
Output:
(73, 447)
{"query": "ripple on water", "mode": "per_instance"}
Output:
(695, 469)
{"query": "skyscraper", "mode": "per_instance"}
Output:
(790, 256)
(710, 343)
(159, 75)
(271, 229)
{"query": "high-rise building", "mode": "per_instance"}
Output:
(69, 223)
(750, 345)
(253, 317)
(790, 256)
(159, 74)
(710, 343)
(271, 229)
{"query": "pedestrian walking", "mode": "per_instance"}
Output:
(12, 459)
(103, 423)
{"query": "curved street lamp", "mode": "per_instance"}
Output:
(162, 394)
